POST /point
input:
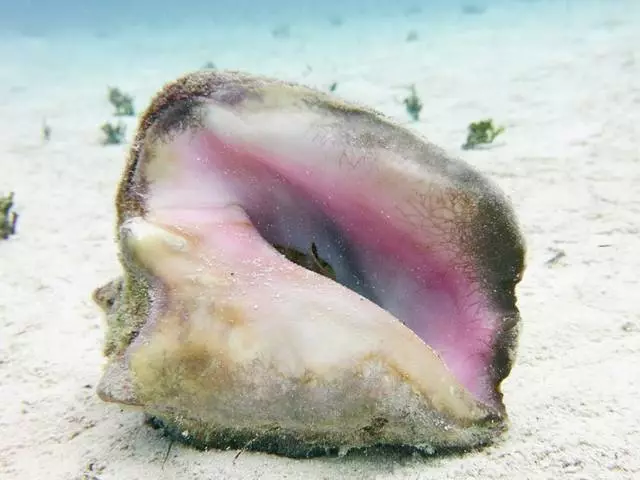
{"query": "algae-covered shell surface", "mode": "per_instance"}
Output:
(302, 276)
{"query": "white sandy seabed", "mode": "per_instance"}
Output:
(568, 91)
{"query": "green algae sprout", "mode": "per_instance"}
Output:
(113, 134)
(413, 104)
(482, 132)
(281, 31)
(46, 131)
(8, 218)
(412, 36)
(122, 103)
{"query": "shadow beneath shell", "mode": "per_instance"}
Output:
(287, 446)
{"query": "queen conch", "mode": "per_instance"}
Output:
(303, 276)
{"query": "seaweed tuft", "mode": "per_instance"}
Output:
(122, 102)
(481, 133)
(8, 218)
(413, 104)
(113, 134)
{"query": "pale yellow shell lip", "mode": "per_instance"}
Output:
(196, 341)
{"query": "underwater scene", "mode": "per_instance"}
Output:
(354, 239)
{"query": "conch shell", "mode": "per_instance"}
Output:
(303, 276)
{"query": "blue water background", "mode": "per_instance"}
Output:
(35, 17)
(55, 53)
